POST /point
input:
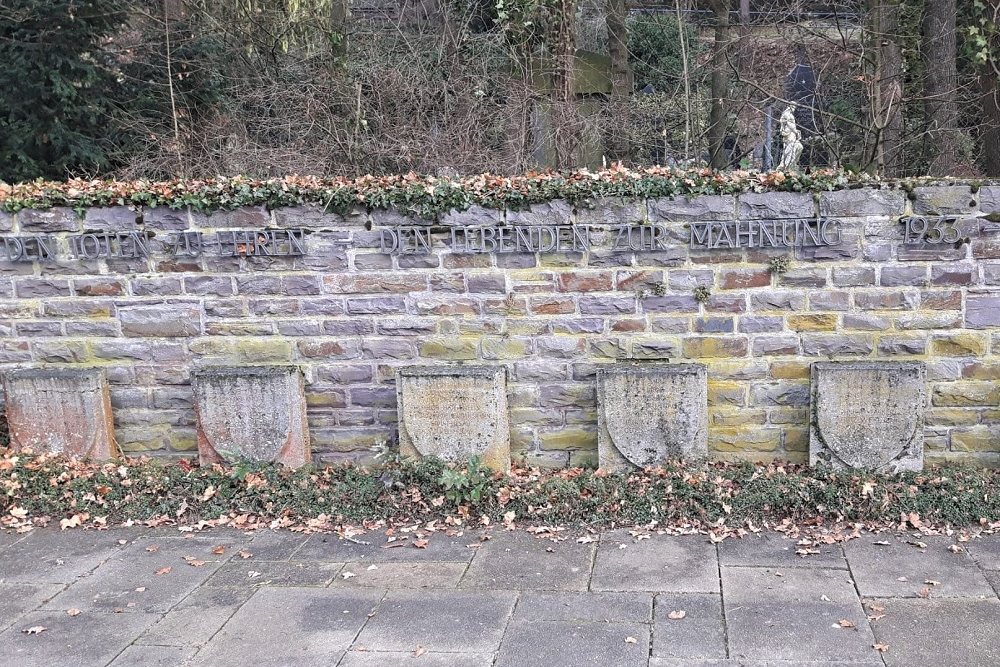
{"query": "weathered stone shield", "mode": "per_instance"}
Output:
(454, 412)
(60, 411)
(651, 412)
(254, 413)
(868, 415)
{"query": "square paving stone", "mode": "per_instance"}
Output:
(153, 656)
(389, 658)
(87, 640)
(680, 662)
(275, 545)
(439, 548)
(985, 551)
(578, 607)
(520, 561)
(792, 616)
(18, 599)
(279, 627)
(775, 550)
(251, 574)
(700, 634)
(448, 621)
(114, 584)
(940, 632)
(877, 568)
(197, 617)
(670, 564)
(59, 557)
(9, 537)
(567, 644)
(401, 575)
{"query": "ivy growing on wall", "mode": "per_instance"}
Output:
(423, 196)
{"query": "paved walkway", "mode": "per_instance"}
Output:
(158, 598)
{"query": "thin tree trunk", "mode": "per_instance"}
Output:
(565, 123)
(616, 11)
(940, 108)
(887, 87)
(720, 86)
(989, 100)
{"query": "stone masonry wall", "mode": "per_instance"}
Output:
(349, 315)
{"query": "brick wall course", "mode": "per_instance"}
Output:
(349, 316)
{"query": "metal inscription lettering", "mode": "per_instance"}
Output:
(919, 229)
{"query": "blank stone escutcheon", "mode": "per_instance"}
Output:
(255, 413)
(454, 413)
(868, 415)
(60, 411)
(648, 413)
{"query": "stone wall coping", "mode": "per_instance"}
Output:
(452, 371)
(869, 365)
(245, 371)
(53, 373)
(652, 368)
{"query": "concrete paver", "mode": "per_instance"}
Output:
(88, 640)
(685, 564)
(776, 550)
(290, 626)
(521, 561)
(794, 614)
(946, 631)
(700, 633)
(563, 606)
(148, 575)
(438, 620)
(902, 568)
(423, 574)
(569, 644)
(462, 601)
(19, 599)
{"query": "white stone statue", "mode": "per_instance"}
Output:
(791, 140)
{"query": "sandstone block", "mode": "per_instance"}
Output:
(251, 412)
(64, 411)
(454, 413)
(868, 415)
(648, 413)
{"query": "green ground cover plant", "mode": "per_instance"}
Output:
(720, 498)
(428, 196)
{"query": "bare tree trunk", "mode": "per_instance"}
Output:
(565, 123)
(940, 84)
(616, 11)
(720, 86)
(887, 87)
(340, 13)
(989, 100)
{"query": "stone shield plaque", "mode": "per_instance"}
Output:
(60, 411)
(868, 415)
(454, 413)
(648, 413)
(253, 413)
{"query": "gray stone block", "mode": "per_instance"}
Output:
(256, 413)
(769, 205)
(56, 219)
(862, 203)
(711, 207)
(161, 320)
(64, 411)
(651, 412)
(454, 412)
(868, 415)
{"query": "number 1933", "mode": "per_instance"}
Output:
(918, 229)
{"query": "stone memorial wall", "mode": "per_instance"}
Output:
(753, 288)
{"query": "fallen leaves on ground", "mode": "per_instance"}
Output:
(35, 630)
(677, 615)
(73, 612)
(419, 651)
(881, 648)
(164, 570)
(631, 640)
